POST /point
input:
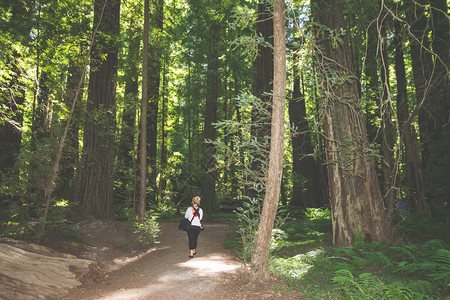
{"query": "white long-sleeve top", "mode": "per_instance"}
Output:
(190, 213)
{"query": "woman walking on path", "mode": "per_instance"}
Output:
(194, 213)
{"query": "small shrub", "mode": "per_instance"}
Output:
(147, 232)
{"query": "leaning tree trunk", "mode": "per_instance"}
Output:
(69, 159)
(95, 179)
(356, 201)
(260, 256)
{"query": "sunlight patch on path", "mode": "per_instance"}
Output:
(123, 261)
(209, 265)
(190, 274)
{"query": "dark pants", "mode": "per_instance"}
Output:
(193, 233)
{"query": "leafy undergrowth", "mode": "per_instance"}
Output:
(303, 256)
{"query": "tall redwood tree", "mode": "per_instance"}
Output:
(95, 179)
(356, 201)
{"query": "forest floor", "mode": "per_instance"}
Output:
(165, 271)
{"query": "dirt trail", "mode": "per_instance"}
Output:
(166, 272)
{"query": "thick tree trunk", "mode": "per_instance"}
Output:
(356, 201)
(143, 134)
(430, 66)
(208, 183)
(260, 256)
(262, 88)
(414, 186)
(95, 179)
(154, 74)
(308, 190)
(440, 44)
(422, 63)
(126, 163)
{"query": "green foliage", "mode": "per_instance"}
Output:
(247, 225)
(430, 261)
(308, 262)
(124, 212)
(146, 233)
(58, 225)
(297, 266)
(247, 155)
(413, 227)
(318, 213)
(316, 226)
(363, 287)
(278, 238)
(400, 271)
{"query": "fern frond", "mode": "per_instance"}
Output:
(418, 268)
(365, 286)
(346, 280)
(399, 293)
(405, 250)
(442, 256)
(441, 271)
(372, 286)
(432, 246)
(379, 259)
(417, 289)
(345, 251)
(359, 261)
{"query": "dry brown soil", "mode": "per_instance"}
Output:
(165, 271)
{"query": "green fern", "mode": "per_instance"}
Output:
(346, 280)
(365, 286)
(432, 246)
(405, 250)
(441, 271)
(399, 293)
(379, 259)
(345, 251)
(417, 289)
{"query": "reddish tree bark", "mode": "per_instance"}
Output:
(356, 201)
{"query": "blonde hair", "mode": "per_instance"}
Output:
(196, 200)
